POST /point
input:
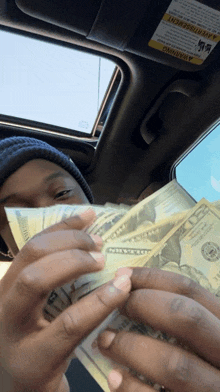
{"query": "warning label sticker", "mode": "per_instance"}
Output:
(189, 31)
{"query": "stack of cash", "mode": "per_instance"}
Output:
(167, 230)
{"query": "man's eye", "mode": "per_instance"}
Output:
(61, 194)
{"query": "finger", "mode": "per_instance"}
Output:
(156, 279)
(160, 362)
(62, 240)
(57, 341)
(34, 282)
(179, 317)
(123, 382)
(48, 244)
(41, 246)
(77, 222)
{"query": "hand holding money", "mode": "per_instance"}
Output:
(185, 243)
(112, 223)
(178, 307)
(35, 351)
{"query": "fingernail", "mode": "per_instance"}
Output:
(98, 240)
(106, 338)
(99, 257)
(124, 271)
(123, 283)
(115, 379)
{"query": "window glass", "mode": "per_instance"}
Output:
(51, 84)
(199, 171)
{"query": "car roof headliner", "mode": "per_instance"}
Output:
(161, 109)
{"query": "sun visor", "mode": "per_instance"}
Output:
(184, 34)
(75, 15)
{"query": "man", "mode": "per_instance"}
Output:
(34, 351)
(50, 179)
(66, 178)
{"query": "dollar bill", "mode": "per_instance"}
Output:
(124, 252)
(167, 201)
(154, 233)
(117, 255)
(174, 244)
(107, 221)
(27, 222)
(191, 248)
(101, 217)
(120, 206)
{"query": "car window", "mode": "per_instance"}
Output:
(52, 84)
(199, 171)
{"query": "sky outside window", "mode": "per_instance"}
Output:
(199, 172)
(51, 84)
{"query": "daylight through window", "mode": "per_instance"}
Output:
(199, 171)
(51, 84)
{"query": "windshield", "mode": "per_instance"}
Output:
(51, 84)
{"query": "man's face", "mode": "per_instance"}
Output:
(38, 183)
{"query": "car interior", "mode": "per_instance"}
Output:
(163, 97)
(157, 106)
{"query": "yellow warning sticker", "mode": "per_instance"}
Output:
(190, 27)
(189, 31)
(176, 53)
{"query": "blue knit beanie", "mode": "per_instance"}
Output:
(18, 150)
